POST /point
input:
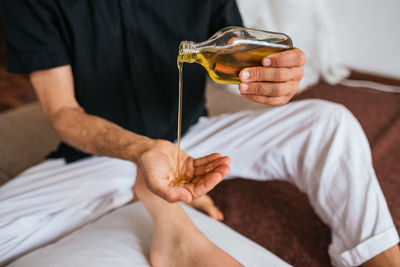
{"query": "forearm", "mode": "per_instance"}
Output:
(95, 135)
(88, 133)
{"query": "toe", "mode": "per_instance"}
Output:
(215, 213)
(206, 205)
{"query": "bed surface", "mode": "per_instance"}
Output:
(123, 237)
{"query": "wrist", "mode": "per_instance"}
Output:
(140, 145)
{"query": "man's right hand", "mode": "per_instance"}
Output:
(159, 162)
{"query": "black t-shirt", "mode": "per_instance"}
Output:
(123, 55)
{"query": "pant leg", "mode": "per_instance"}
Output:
(320, 147)
(53, 198)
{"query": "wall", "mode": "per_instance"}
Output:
(368, 35)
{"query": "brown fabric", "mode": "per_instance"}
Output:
(355, 75)
(278, 217)
(25, 139)
(15, 90)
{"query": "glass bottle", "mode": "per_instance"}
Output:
(232, 49)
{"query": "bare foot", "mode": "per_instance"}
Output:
(176, 240)
(182, 244)
(206, 205)
(389, 258)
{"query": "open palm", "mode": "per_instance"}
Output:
(159, 165)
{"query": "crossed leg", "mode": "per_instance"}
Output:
(319, 147)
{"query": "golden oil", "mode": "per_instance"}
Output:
(224, 66)
(179, 179)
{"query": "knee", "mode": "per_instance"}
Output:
(326, 111)
(332, 119)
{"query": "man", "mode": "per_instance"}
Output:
(105, 75)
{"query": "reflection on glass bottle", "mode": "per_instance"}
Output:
(231, 49)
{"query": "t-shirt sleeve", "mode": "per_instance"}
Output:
(34, 38)
(224, 13)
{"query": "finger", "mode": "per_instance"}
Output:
(218, 215)
(272, 101)
(204, 184)
(203, 169)
(214, 213)
(204, 160)
(222, 169)
(288, 59)
(179, 193)
(263, 74)
(206, 204)
(269, 89)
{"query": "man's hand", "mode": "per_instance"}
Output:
(159, 162)
(277, 81)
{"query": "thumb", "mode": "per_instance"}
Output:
(179, 193)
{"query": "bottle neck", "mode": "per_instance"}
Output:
(187, 52)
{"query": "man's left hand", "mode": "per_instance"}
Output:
(276, 81)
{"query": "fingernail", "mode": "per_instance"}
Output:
(183, 199)
(244, 87)
(266, 62)
(245, 75)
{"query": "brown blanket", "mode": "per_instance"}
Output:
(278, 217)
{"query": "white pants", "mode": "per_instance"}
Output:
(316, 145)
